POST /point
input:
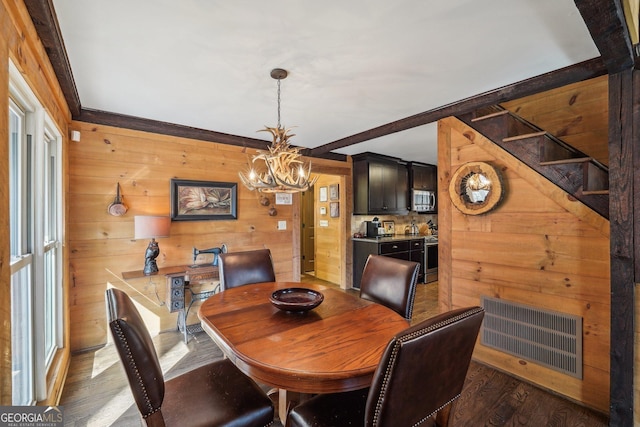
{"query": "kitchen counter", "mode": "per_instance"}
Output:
(429, 240)
(411, 247)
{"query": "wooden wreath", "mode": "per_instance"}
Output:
(476, 188)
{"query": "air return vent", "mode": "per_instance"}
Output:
(546, 337)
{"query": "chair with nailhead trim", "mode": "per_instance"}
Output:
(216, 394)
(418, 379)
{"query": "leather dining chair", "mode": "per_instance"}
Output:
(244, 268)
(420, 375)
(391, 282)
(216, 394)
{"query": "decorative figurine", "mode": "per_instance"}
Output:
(150, 256)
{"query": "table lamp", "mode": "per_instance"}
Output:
(149, 226)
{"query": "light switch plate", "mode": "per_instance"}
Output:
(282, 225)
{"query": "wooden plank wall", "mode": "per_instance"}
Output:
(102, 246)
(576, 113)
(20, 43)
(538, 247)
(329, 250)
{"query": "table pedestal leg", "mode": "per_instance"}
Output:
(287, 400)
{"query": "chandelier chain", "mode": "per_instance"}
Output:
(279, 126)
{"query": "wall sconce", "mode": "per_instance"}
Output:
(147, 226)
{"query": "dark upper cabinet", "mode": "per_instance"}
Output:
(423, 176)
(380, 185)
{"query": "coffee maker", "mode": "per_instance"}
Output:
(374, 227)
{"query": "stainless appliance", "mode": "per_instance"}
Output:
(423, 201)
(430, 261)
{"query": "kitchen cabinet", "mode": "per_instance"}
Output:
(423, 176)
(416, 254)
(380, 185)
(406, 249)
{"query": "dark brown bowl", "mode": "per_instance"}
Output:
(296, 299)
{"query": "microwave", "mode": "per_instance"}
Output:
(423, 201)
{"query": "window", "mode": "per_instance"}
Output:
(21, 258)
(35, 222)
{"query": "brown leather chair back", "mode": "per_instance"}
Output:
(391, 282)
(136, 351)
(244, 268)
(423, 369)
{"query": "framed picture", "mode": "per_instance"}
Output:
(323, 210)
(203, 200)
(389, 227)
(323, 194)
(334, 209)
(333, 192)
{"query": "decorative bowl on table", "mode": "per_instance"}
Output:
(296, 299)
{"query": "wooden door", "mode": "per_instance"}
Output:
(307, 245)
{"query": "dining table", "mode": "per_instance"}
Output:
(334, 347)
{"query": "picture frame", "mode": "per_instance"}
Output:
(203, 200)
(323, 210)
(334, 209)
(334, 193)
(322, 194)
(389, 227)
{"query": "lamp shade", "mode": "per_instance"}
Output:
(149, 226)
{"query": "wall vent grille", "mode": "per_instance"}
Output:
(549, 338)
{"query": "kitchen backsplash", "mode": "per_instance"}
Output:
(400, 221)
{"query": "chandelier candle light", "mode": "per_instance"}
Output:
(278, 169)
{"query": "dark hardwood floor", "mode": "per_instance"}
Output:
(96, 392)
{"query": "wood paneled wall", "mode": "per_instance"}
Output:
(576, 113)
(538, 247)
(102, 246)
(20, 43)
(329, 250)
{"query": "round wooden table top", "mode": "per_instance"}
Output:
(334, 347)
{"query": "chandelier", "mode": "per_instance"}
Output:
(279, 169)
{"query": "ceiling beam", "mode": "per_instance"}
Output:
(551, 80)
(106, 118)
(608, 28)
(147, 125)
(43, 16)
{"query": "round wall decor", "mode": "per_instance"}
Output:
(476, 188)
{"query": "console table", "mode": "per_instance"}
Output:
(198, 282)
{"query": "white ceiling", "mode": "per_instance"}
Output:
(353, 65)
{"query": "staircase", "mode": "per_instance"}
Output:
(581, 176)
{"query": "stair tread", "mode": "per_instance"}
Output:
(575, 172)
(488, 116)
(524, 136)
(563, 161)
